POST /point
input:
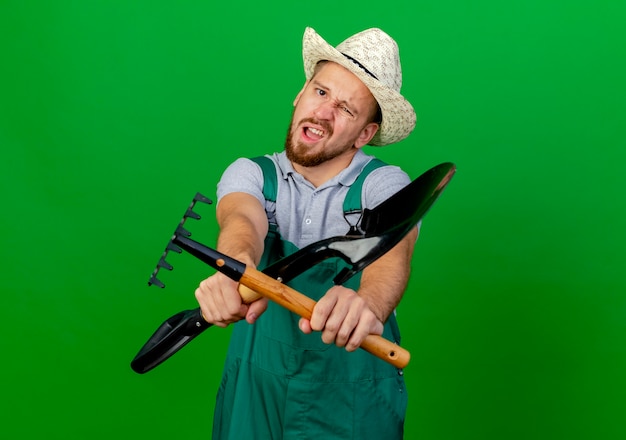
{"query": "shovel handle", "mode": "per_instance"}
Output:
(302, 305)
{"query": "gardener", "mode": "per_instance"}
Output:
(289, 377)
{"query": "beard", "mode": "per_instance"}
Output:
(299, 153)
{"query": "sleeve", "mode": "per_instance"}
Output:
(382, 183)
(243, 175)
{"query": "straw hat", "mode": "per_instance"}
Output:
(373, 56)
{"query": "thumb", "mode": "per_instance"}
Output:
(255, 310)
(305, 326)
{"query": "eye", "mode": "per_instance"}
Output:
(346, 110)
(320, 92)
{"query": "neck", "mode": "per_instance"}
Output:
(320, 174)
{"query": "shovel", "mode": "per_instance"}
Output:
(382, 228)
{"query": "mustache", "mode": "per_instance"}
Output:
(324, 124)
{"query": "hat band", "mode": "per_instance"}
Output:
(360, 65)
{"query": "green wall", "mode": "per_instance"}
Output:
(114, 113)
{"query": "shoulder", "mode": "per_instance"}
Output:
(243, 175)
(382, 183)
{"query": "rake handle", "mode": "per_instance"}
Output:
(253, 281)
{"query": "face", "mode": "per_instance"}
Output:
(332, 117)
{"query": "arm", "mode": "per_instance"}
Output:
(383, 283)
(346, 317)
(243, 227)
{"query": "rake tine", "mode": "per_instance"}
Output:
(180, 231)
(200, 198)
(172, 247)
(190, 213)
(155, 281)
(165, 264)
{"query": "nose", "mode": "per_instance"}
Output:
(324, 110)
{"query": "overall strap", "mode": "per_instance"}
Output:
(273, 243)
(352, 202)
(270, 180)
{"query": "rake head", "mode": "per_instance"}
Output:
(179, 232)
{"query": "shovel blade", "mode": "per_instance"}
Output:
(407, 207)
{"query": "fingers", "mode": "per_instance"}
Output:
(365, 327)
(344, 319)
(219, 300)
(323, 310)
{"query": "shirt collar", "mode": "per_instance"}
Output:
(346, 177)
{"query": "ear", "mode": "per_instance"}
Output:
(366, 134)
(295, 101)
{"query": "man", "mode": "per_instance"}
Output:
(289, 377)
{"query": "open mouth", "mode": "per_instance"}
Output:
(313, 134)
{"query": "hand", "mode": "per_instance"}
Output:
(343, 317)
(221, 303)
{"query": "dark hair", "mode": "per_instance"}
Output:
(378, 117)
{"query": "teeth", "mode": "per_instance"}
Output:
(315, 131)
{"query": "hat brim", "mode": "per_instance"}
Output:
(398, 116)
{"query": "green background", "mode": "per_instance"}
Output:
(114, 113)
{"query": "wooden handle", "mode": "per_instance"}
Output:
(302, 305)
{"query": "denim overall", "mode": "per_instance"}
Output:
(279, 383)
